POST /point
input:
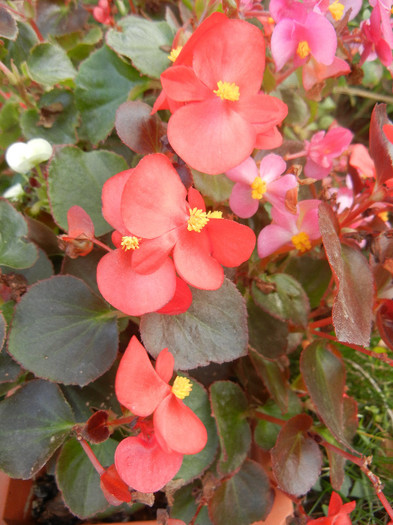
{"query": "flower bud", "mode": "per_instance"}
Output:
(22, 157)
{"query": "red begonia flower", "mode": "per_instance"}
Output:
(337, 512)
(130, 292)
(79, 241)
(154, 206)
(144, 465)
(114, 488)
(145, 391)
(219, 114)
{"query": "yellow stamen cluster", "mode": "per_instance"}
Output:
(199, 218)
(129, 243)
(303, 49)
(182, 387)
(175, 53)
(384, 215)
(258, 187)
(301, 242)
(227, 91)
(337, 10)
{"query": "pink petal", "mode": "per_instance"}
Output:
(164, 365)
(277, 190)
(316, 171)
(283, 45)
(144, 465)
(271, 239)
(131, 292)
(323, 49)
(153, 200)
(271, 167)
(79, 223)
(244, 173)
(111, 199)
(214, 128)
(194, 263)
(178, 428)
(241, 201)
(232, 243)
(233, 52)
(138, 386)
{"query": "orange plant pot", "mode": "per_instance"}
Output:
(15, 500)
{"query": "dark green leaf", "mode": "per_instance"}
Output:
(214, 329)
(9, 124)
(35, 420)
(103, 83)
(76, 177)
(49, 64)
(8, 27)
(194, 465)
(63, 332)
(41, 269)
(287, 302)
(78, 480)
(55, 120)
(85, 268)
(268, 335)
(14, 251)
(244, 498)
(19, 51)
(229, 407)
(184, 506)
(296, 458)
(56, 17)
(142, 41)
(218, 188)
(353, 304)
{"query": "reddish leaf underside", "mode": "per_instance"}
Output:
(352, 308)
(381, 149)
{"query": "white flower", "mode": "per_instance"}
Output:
(13, 193)
(22, 157)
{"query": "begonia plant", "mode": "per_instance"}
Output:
(196, 259)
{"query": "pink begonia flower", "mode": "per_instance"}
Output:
(337, 9)
(360, 160)
(377, 36)
(314, 72)
(309, 34)
(252, 186)
(288, 231)
(323, 148)
(123, 287)
(337, 512)
(102, 12)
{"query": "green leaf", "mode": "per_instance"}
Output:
(103, 83)
(244, 498)
(142, 41)
(298, 112)
(214, 329)
(55, 120)
(9, 124)
(194, 465)
(184, 506)
(296, 457)
(19, 51)
(85, 267)
(353, 304)
(229, 407)
(287, 301)
(8, 27)
(41, 269)
(49, 64)
(268, 335)
(3, 329)
(56, 17)
(61, 331)
(76, 177)
(218, 188)
(324, 375)
(14, 251)
(78, 480)
(35, 420)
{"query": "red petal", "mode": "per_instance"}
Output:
(210, 136)
(114, 488)
(111, 198)
(131, 292)
(180, 302)
(138, 386)
(178, 428)
(154, 199)
(79, 223)
(152, 253)
(195, 199)
(164, 365)
(144, 465)
(232, 243)
(269, 139)
(233, 52)
(194, 263)
(262, 110)
(180, 83)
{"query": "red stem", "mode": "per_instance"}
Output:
(92, 457)
(99, 243)
(268, 417)
(121, 421)
(320, 323)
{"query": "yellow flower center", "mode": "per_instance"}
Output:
(337, 10)
(175, 53)
(303, 49)
(129, 243)
(258, 187)
(270, 20)
(384, 215)
(301, 242)
(198, 219)
(182, 387)
(227, 91)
